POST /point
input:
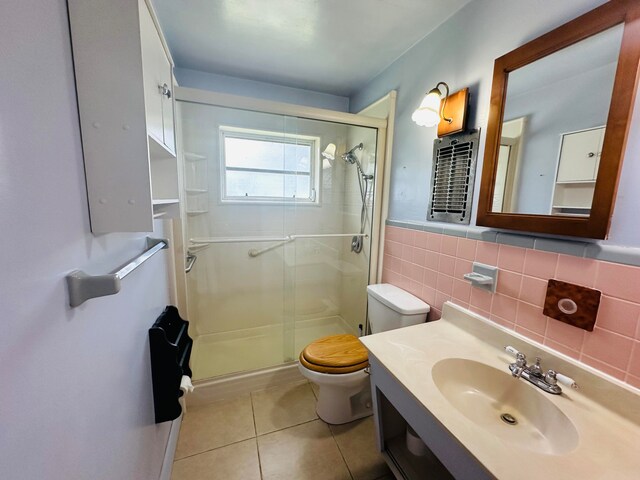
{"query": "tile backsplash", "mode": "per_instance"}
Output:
(431, 266)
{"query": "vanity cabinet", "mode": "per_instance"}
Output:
(124, 84)
(579, 159)
(394, 408)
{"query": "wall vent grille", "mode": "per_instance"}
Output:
(452, 178)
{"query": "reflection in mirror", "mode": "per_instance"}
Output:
(508, 163)
(553, 129)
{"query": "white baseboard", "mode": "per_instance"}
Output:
(170, 451)
(229, 386)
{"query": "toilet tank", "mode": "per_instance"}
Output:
(391, 307)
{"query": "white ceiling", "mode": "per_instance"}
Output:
(332, 46)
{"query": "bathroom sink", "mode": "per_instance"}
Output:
(507, 407)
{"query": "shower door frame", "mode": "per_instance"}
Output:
(215, 99)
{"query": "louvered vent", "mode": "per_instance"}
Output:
(454, 169)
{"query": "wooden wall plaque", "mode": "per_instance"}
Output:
(456, 109)
(572, 304)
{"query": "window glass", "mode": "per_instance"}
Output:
(264, 166)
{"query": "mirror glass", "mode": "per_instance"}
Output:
(553, 128)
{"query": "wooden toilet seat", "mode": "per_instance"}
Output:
(335, 354)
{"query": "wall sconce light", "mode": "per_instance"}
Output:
(328, 155)
(449, 113)
(431, 110)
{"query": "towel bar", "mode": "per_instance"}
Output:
(83, 286)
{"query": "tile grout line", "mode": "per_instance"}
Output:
(255, 430)
(287, 427)
(634, 345)
(340, 451)
(212, 449)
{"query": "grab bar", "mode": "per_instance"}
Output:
(208, 240)
(191, 260)
(83, 287)
(255, 252)
(288, 238)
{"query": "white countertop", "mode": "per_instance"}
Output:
(604, 411)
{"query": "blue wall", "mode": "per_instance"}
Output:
(462, 52)
(77, 401)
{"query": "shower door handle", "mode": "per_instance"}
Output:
(191, 260)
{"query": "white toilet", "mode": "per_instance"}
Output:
(337, 363)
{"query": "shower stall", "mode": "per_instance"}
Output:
(279, 222)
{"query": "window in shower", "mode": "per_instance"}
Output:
(268, 167)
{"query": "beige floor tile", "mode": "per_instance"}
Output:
(307, 451)
(315, 388)
(283, 406)
(216, 425)
(357, 442)
(238, 461)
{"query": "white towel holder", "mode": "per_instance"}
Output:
(83, 286)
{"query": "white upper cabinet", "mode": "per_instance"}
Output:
(124, 83)
(158, 87)
(580, 154)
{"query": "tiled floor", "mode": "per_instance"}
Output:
(275, 434)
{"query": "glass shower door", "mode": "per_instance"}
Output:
(271, 221)
(236, 291)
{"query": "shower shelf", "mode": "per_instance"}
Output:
(193, 157)
(195, 191)
(193, 213)
(165, 207)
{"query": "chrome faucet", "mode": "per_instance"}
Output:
(519, 366)
(534, 373)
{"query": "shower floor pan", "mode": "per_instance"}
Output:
(253, 348)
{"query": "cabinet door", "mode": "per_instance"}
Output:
(167, 106)
(579, 156)
(152, 71)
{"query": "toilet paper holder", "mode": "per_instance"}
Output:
(170, 348)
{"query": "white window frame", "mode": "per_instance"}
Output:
(280, 137)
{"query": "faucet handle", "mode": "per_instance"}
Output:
(521, 358)
(567, 381)
(511, 350)
(552, 378)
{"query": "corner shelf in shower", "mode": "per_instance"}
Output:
(193, 213)
(193, 157)
(195, 191)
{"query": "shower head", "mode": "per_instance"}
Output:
(350, 156)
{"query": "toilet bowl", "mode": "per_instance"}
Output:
(338, 364)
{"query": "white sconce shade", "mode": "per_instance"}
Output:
(430, 111)
(328, 155)
(330, 152)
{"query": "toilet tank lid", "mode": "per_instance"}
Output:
(397, 299)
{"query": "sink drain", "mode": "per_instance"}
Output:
(508, 419)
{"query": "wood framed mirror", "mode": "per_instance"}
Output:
(560, 111)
